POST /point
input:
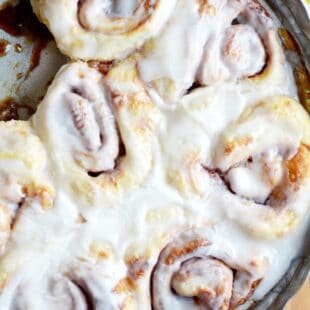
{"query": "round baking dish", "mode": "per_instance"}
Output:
(296, 37)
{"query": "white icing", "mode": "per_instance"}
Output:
(46, 247)
(242, 53)
(178, 49)
(251, 180)
(119, 15)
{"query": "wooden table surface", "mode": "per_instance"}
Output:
(302, 300)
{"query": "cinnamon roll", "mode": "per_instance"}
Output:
(81, 286)
(259, 154)
(264, 159)
(195, 272)
(23, 176)
(99, 130)
(105, 30)
(247, 47)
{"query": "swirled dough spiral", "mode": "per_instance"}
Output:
(265, 158)
(246, 48)
(261, 156)
(194, 273)
(207, 43)
(99, 129)
(102, 30)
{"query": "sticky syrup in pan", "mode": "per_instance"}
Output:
(20, 21)
(8, 109)
(12, 110)
(4, 44)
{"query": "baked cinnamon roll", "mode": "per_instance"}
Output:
(264, 159)
(247, 47)
(99, 130)
(81, 286)
(24, 178)
(260, 156)
(194, 272)
(104, 30)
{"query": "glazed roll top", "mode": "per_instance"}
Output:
(99, 129)
(24, 176)
(247, 47)
(250, 157)
(96, 145)
(205, 43)
(104, 30)
(265, 158)
(198, 273)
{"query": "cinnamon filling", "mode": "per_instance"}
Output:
(206, 280)
(86, 293)
(267, 183)
(94, 119)
(200, 278)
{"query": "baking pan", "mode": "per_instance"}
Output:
(29, 60)
(296, 36)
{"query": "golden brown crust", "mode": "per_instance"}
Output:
(21, 188)
(186, 249)
(195, 271)
(276, 214)
(116, 158)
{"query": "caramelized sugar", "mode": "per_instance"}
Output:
(20, 21)
(3, 47)
(9, 109)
